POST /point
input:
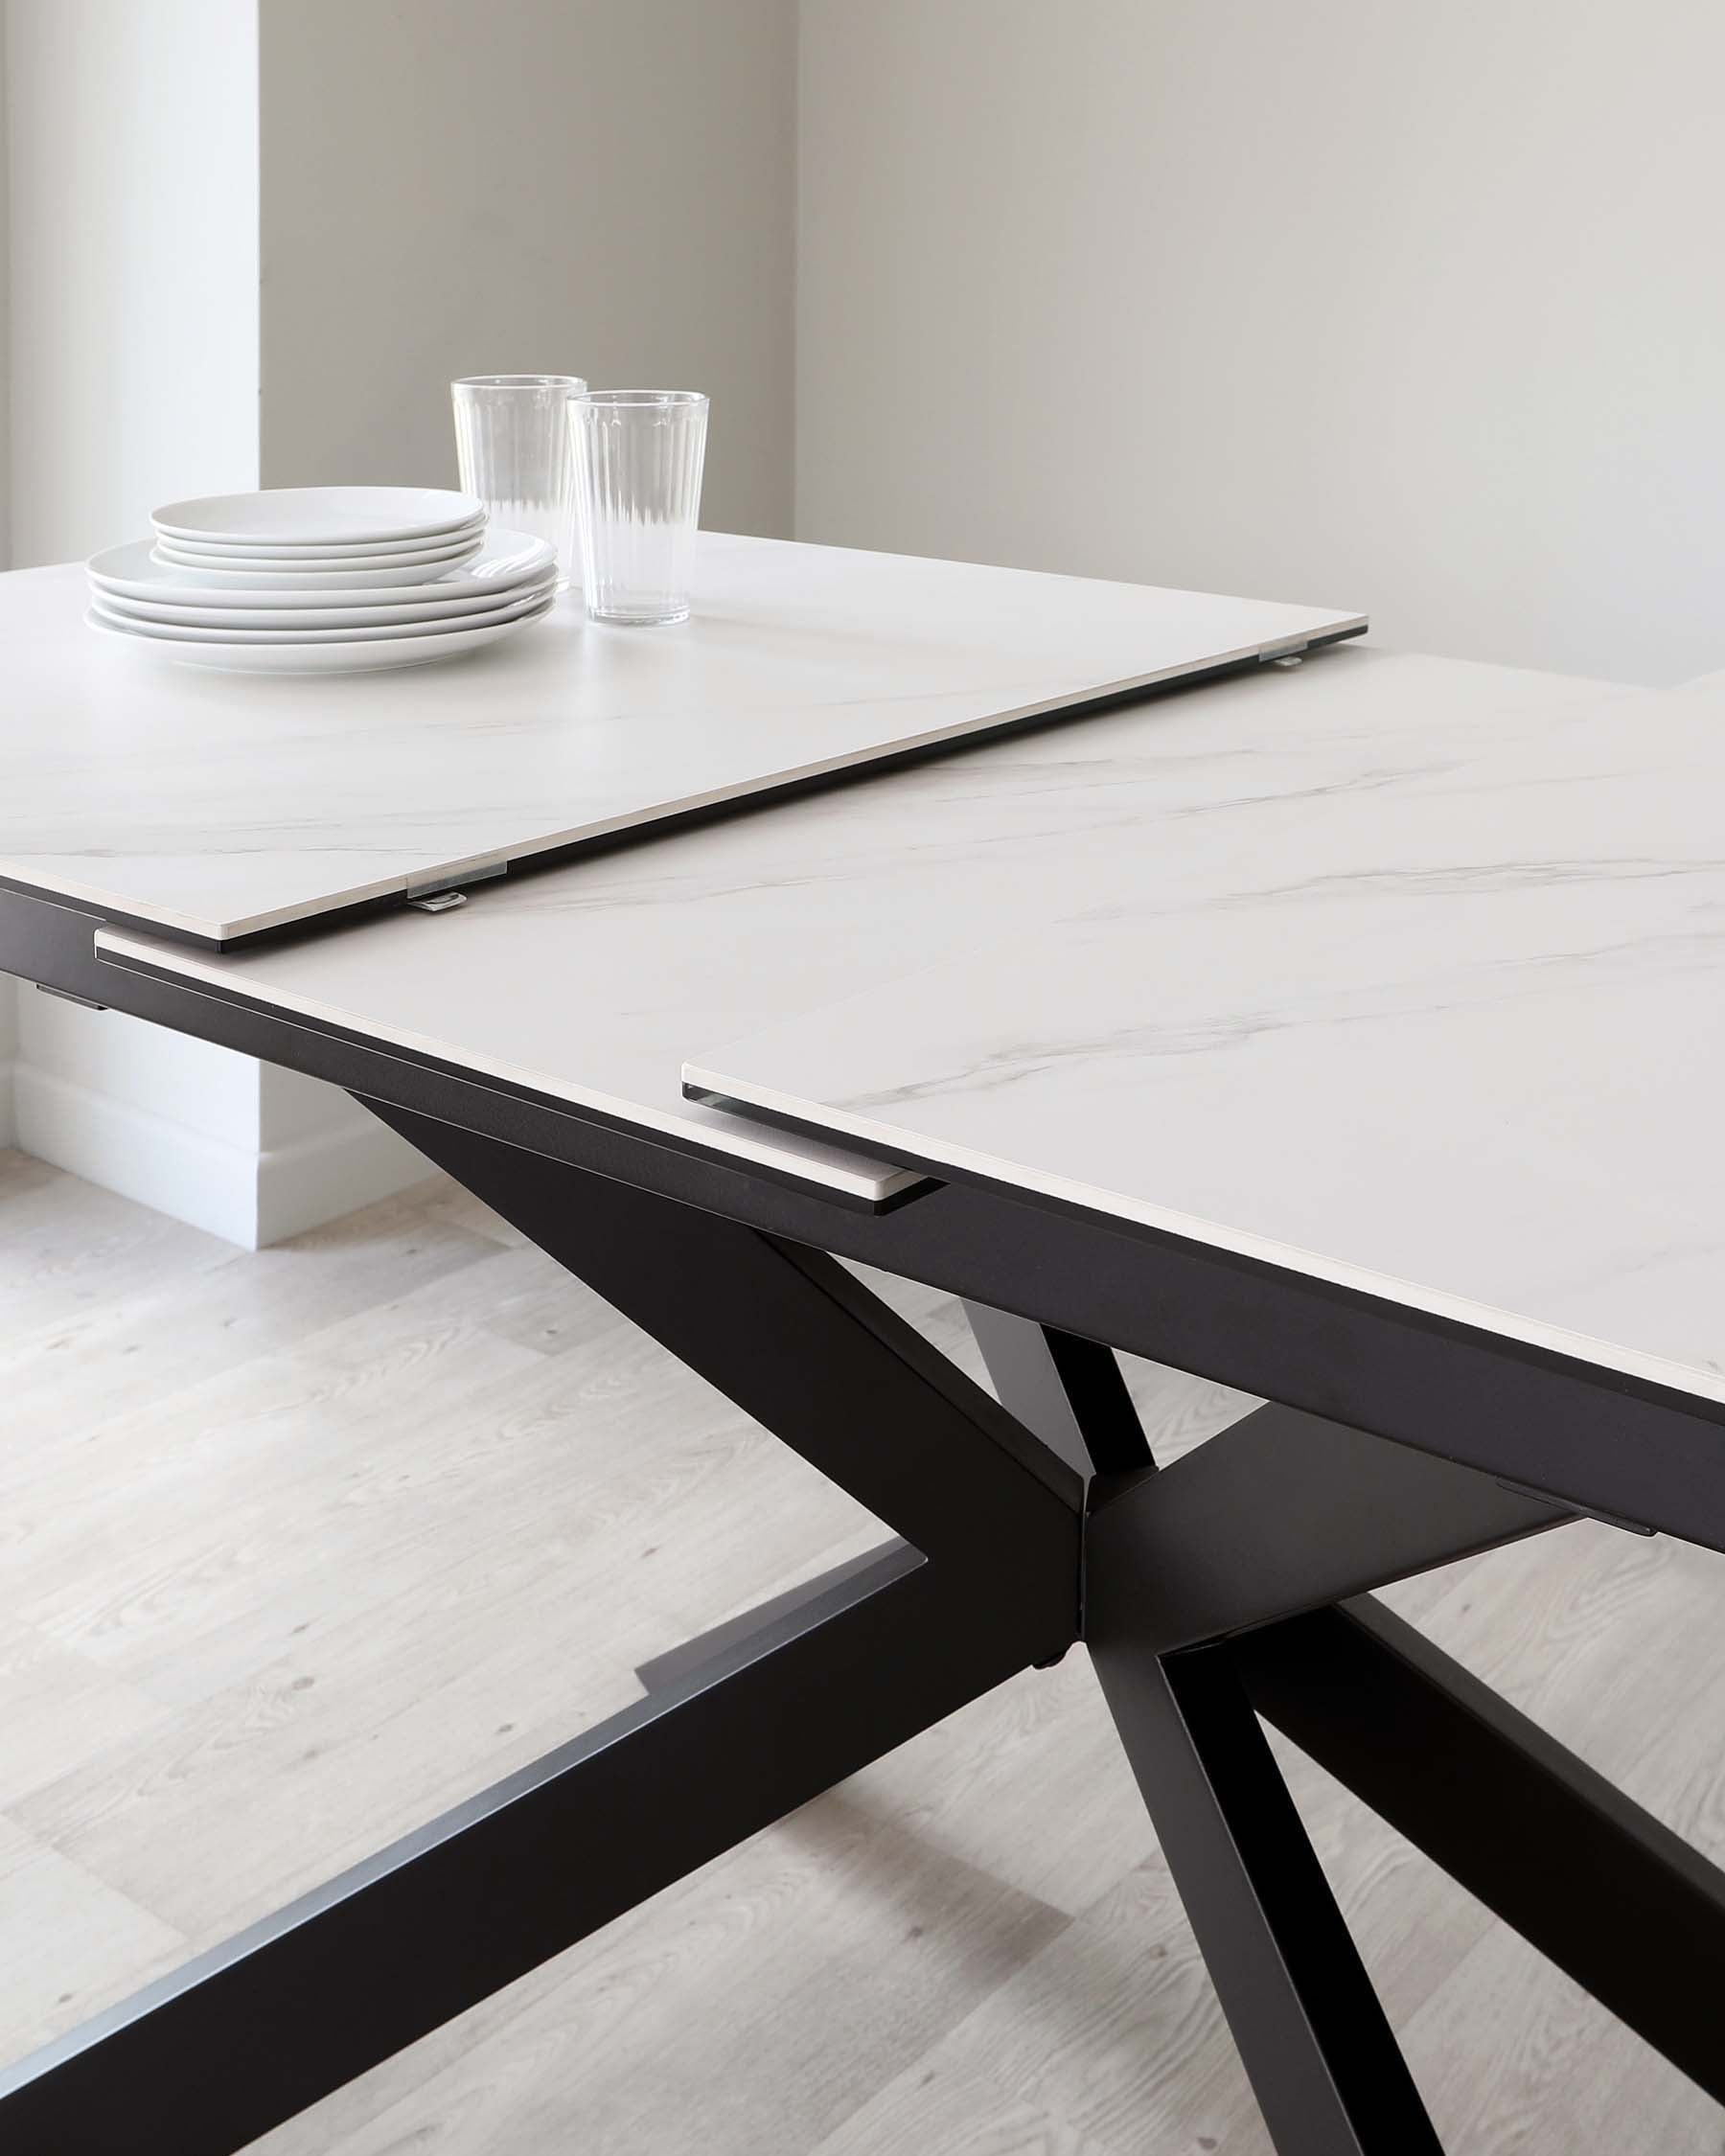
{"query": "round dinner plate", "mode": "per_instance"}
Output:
(181, 633)
(345, 550)
(504, 559)
(379, 616)
(318, 515)
(292, 570)
(266, 576)
(315, 557)
(313, 656)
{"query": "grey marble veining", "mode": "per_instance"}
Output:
(591, 981)
(221, 805)
(1455, 1040)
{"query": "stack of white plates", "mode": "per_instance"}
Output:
(320, 580)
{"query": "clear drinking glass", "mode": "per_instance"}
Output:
(638, 454)
(513, 450)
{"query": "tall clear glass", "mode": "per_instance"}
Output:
(638, 456)
(513, 449)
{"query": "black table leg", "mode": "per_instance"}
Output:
(720, 1640)
(1230, 1583)
(803, 1347)
(215, 2054)
(1601, 1887)
(756, 1718)
(1068, 1390)
(1322, 2062)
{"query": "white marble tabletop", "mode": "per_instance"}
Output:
(1455, 1040)
(590, 981)
(221, 805)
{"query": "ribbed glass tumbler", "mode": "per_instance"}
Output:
(514, 448)
(638, 454)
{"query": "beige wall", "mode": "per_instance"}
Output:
(1415, 308)
(594, 188)
(132, 142)
(129, 134)
(4, 390)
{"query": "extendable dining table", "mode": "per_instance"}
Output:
(1156, 973)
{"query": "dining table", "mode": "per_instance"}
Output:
(1156, 973)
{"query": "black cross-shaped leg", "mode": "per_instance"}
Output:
(1323, 2065)
(1604, 1889)
(1233, 1584)
(981, 1583)
(1265, 1539)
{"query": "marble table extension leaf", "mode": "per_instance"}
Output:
(586, 981)
(219, 808)
(1456, 1041)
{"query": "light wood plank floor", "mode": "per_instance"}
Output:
(300, 1548)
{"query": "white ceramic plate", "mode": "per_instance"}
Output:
(379, 616)
(222, 574)
(308, 558)
(504, 559)
(430, 559)
(318, 515)
(344, 549)
(313, 657)
(316, 557)
(181, 633)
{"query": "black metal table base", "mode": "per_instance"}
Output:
(1231, 1585)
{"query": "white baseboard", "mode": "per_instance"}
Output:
(234, 1191)
(176, 1170)
(332, 1172)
